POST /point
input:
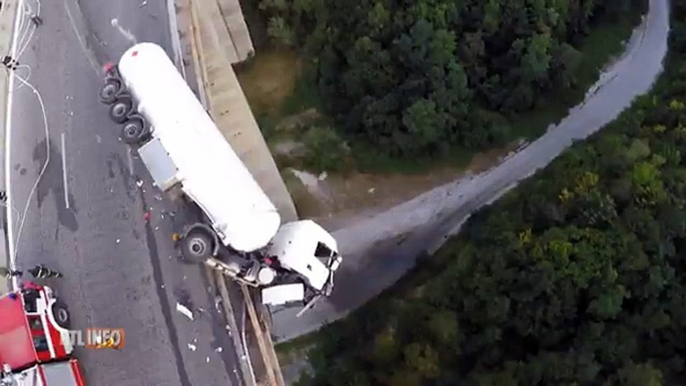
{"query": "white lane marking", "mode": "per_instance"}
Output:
(91, 60)
(130, 159)
(8, 147)
(127, 34)
(64, 173)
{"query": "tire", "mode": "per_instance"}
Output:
(120, 109)
(110, 90)
(133, 131)
(197, 246)
(61, 314)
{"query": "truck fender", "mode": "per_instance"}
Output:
(111, 71)
(113, 86)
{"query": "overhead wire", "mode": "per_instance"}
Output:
(45, 164)
(20, 20)
(26, 33)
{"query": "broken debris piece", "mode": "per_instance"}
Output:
(192, 347)
(217, 302)
(184, 310)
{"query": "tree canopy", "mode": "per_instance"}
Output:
(577, 277)
(413, 77)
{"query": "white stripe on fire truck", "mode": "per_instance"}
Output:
(46, 327)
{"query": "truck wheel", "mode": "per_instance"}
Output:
(61, 314)
(197, 246)
(132, 131)
(110, 90)
(120, 109)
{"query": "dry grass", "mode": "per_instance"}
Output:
(269, 79)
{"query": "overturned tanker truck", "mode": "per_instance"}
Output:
(241, 233)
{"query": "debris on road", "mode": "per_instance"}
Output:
(207, 359)
(117, 241)
(218, 349)
(167, 212)
(176, 236)
(147, 216)
(184, 310)
(192, 347)
(139, 183)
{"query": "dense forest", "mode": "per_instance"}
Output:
(415, 77)
(577, 277)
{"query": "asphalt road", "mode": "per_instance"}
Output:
(120, 271)
(379, 250)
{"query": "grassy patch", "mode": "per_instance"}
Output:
(269, 79)
(296, 345)
(304, 96)
(369, 160)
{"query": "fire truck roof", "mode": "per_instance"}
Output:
(16, 344)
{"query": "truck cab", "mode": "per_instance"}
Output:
(310, 253)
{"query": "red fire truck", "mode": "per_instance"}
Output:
(35, 345)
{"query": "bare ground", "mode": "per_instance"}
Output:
(356, 196)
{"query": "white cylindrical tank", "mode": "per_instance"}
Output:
(212, 175)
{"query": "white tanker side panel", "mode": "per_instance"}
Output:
(211, 172)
